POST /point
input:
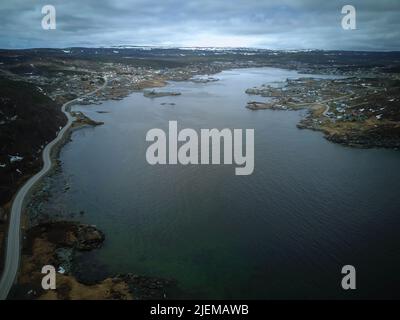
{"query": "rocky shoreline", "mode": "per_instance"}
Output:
(364, 137)
(57, 243)
(357, 112)
(355, 139)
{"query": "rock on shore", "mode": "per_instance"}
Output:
(68, 234)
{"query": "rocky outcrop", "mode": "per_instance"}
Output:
(88, 238)
(67, 234)
(254, 105)
(147, 287)
(83, 120)
(158, 94)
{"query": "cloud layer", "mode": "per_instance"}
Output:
(273, 24)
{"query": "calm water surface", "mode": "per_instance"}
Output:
(309, 208)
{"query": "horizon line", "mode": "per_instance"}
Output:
(122, 47)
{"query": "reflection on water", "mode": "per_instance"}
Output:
(309, 208)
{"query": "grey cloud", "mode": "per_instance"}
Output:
(275, 24)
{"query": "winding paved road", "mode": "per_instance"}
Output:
(14, 231)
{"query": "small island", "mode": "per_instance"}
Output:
(159, 94)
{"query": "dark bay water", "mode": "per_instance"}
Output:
(309, 208)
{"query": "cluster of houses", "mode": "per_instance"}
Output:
(340, 111)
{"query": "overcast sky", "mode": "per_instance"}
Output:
(273, 24)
